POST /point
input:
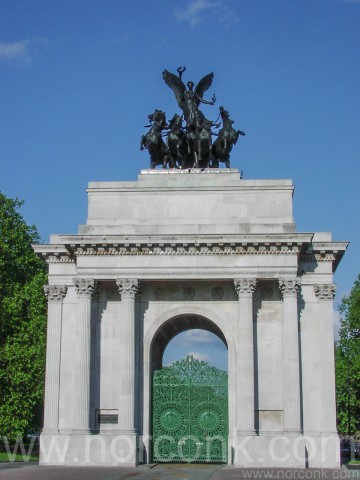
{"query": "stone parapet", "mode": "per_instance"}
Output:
(190, 202)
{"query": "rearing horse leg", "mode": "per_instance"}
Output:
(179, 157)
(196, 160)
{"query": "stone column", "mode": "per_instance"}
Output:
(291, 356)
(325, 294)
(94, 363)
(85, 289)
(55, 295)
(245, 363)
(128, 289)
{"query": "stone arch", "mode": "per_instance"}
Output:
(174, 326)
(191, 316)
(193, 311)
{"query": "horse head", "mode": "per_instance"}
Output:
(225, 116)
(175, 123)
(158, 118)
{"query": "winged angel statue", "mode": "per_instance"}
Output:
(189, 147)
(189, 100)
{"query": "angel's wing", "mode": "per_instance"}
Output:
(176, 85)
(204, 84)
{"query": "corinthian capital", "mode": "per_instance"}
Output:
(128, 287)
(85, 287)
(55, 293)
(245, 286)
(289, 286)
(325, 291)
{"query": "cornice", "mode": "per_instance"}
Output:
(230, 180)
(186, 238)
(318, 252)
(54, 253)
(183, 249)
(299, 244)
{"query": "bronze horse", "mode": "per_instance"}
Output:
(153, 142)
(202, 147)
(226, 139)
(177, 144)
(199, 142)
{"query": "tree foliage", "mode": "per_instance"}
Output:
(348, 363)
(22, 323)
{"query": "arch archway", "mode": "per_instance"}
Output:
(173, 327)
(165, 328)
(201, 344)
(208, 317)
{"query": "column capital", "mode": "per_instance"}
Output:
(289, 286)
(85, 287)
(325, 291)
(128, 287)
(245, 286)
(55, 293)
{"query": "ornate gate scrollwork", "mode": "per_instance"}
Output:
(190, 413)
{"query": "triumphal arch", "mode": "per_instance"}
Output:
(181, 249)
(189, 246)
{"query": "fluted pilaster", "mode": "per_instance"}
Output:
(55, 295)
(325, 294)
(245, 364)
(291, 356)
(85, 289)
(128, 289)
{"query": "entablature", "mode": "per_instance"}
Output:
(323, 252)
(75, 245)
(300, 244)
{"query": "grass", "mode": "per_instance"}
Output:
(354, 462)
(4, 457)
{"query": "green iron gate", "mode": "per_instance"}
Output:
(190, 413)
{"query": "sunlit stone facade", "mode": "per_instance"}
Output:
(190, 249)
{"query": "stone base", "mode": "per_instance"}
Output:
(326, 450)
(286, 451)
(106, 449)
(122, 449)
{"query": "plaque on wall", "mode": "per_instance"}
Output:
(107, 418)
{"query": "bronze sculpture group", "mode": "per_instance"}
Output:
(190, 146)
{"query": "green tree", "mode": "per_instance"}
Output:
(348, 363)
(22, 323)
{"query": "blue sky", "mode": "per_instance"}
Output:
(79, 77)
